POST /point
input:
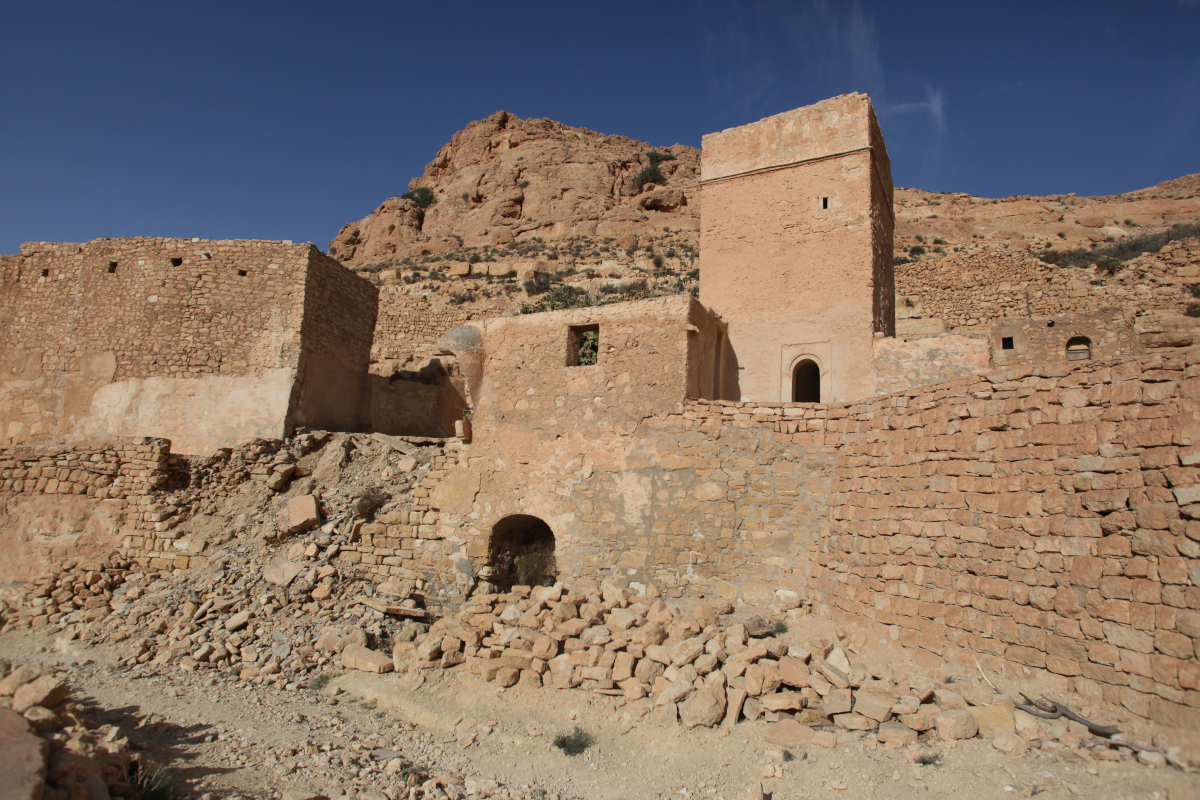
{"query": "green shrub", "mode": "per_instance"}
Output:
(589, 348)
(575, 742)
(916, 250)
(523, 184)
(650, 174)
(422, 196)
(1128, 248)
(655, 157)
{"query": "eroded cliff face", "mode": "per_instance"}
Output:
(505, 179)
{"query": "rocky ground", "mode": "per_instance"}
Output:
(276, 668)
(363, 735)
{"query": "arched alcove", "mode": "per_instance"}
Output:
(806, 382)
(521, 552)
(1079, 348)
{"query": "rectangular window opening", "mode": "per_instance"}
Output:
(241, 273)
(176, 262)
(1006, 343)
(825, 203)
(112, 267)
(45, 273)
(583, 345)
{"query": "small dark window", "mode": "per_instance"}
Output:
(1006, 343)
(1050, 324)
(45, 273)
(1079, 349)
(583, 345)
(824, 202)
(112, 267)
(242, 273)
(176, 262)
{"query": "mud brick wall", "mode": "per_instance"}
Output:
(978, 289)
(1047, 517)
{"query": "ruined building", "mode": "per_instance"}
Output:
(771, 443)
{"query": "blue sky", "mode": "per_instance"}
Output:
(286, 120)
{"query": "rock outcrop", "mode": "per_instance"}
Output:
(505, 179)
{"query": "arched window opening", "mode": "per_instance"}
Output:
(521, 553)
(806, 383)
(1079, 348)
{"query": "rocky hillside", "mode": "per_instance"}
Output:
(505, 180)
(933, 222)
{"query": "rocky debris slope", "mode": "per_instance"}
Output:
(505, 179)
(52, 749)
(263, 587)
(704, 668)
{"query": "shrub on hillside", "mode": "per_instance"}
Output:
(422, 196)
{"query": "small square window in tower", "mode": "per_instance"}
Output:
(112, 267)
(583, 345)
(1006, 343)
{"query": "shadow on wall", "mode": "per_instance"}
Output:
(521, 552)
(426, 402)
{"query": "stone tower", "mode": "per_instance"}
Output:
(796, 251)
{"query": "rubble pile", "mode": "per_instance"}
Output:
(269, 587)
(704, 668)
(52, 750)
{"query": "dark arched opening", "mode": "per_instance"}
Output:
(806, 383)
(1079, 348)
(521, 553)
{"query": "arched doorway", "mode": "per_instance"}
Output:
(521, 553)
(1079, 348)
(806, 382)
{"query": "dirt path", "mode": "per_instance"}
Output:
(228, 737)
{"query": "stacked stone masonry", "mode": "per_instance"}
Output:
(977, 289)
(410, 325)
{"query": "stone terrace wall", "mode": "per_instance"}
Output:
(980, 288)
(410, 325)
(1048, 517)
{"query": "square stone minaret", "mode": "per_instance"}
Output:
(796, 251)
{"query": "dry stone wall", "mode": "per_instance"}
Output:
(980, 288)
(1043, 516)
(60, 501)
(411, 324)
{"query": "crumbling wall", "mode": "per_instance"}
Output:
(411, 324)
(59, 501)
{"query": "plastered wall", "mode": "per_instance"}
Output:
(200, 342)
(795, 246)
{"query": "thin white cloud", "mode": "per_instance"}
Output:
(933, 104)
